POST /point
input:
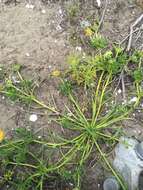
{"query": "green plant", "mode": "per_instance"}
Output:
(98, 42)
(23, 91)
(138, 75)
(91, 130)
(65, 87)
(16, 67)
(81, 70)
(23, 166)
(136, 56)
(84, 70)
(11, 91)
(2, 72)
(72, 10)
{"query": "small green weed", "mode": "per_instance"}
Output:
(136, 56)
(138, 75)
(11, 90)
(84, 70)
(65, 87)
(22, 90)
(98, 42)
(2, 72)
(91, 130)
(72, 11)
(23, 166)
(137, 70)
(16, 67)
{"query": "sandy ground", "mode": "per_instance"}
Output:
(34, 39)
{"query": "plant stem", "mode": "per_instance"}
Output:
(109, 166)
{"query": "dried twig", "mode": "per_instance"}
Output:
(121, 42)
(121, 81)
(138, 20)
(117, 86)
(139, 34)
(128, 49)
(103, 15)
(123, 86)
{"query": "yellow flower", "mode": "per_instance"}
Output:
(88, 32)
(2, 135)
(56, 73)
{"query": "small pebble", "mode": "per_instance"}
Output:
(71, 184)
(99, 185)
(3, 97)
(134, 99)
(124, 102)
(33, 117)
(78, 48)
(28, 6)
(58, 28)
(119, 91)
(60, 11)
(43, 11)
(99, 3)
(27, 54)
(31, 6)
(85, 23)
